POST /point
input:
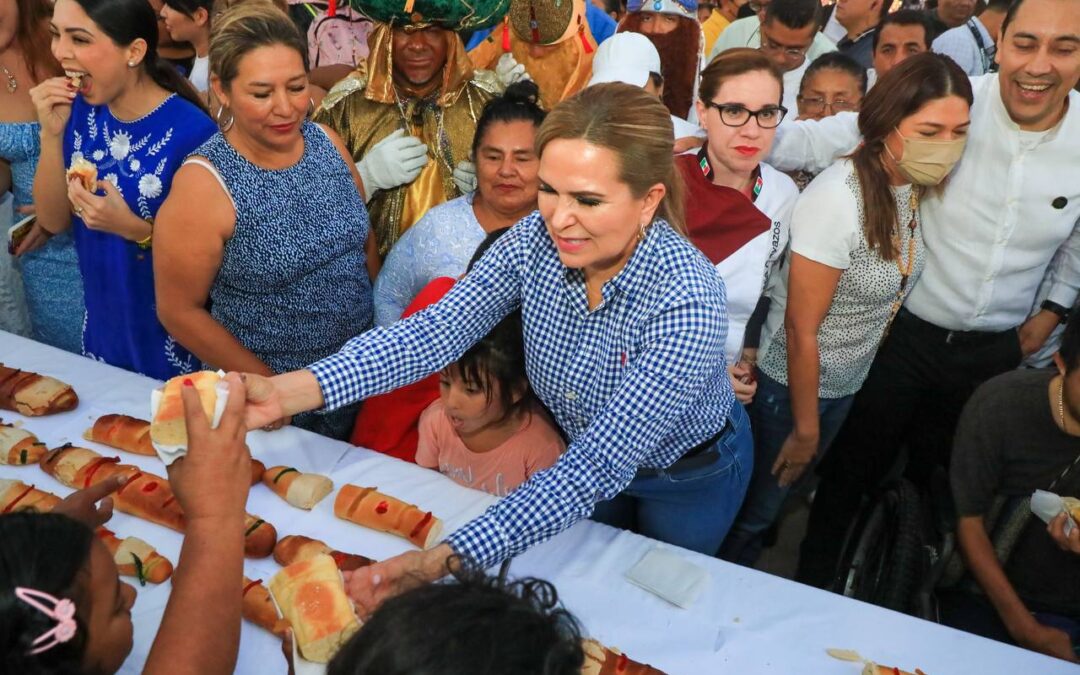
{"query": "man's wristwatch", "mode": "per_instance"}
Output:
(1062, 312)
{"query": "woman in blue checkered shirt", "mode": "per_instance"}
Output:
(624, 324)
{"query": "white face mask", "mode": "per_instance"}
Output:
(927, 162)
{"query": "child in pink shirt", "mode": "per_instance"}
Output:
(487, 430)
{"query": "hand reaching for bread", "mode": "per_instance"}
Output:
(213, 479)
(82, 505)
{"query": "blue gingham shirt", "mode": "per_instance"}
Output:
(636, 382)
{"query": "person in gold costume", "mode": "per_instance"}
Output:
(408, 113)
(550, 39)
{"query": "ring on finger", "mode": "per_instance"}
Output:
(78, 210)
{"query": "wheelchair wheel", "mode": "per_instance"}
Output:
(881, 562)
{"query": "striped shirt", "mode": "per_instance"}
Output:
(635, 382)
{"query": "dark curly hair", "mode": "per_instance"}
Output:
(46, 552)
(470, 625)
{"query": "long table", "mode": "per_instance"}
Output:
(745, 622)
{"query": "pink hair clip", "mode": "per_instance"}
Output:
(62, 612)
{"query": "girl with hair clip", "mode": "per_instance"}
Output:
(48, 265)
(124, 120)
(856, 251)
(624, 324)
(63, 608)
(188, 21)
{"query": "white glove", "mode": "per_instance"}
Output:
(393, 161)
(509, 71)
(465, 177)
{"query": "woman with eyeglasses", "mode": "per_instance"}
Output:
(737, 207)
(833, 83)
(856, 251)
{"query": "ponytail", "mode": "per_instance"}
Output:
(166, 76)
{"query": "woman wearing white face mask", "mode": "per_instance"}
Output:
(856, 250)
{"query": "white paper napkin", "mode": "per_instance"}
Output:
(670, 577)
(171, 453)
(1047, 506)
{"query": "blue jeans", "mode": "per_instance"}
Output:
(771, 416)
(691, 508)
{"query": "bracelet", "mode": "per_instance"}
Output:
(145, 243)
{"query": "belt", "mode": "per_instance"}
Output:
(950, 337)
(697, 457)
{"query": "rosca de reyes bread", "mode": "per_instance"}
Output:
(259, 609)
(296, 547)
(1072, 506)
(601, 660)
(134, 557)
(132, 434)
(312, 599)
(33, 395)
(302, 490)
(19, 446)
(82, 169)
(368, 507)
(168, 428)
(144, 495)
(17, 496)
(123, 433)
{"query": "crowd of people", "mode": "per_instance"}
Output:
(664, 264)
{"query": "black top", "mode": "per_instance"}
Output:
(1008, 443)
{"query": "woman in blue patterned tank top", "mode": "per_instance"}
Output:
(268, 272)
(134, 119)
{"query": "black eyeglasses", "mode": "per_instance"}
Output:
(737, 115)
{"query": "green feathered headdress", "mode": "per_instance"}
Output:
(455, 15)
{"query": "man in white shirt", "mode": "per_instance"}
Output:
(1008, 218)
(746, 32)
(972, 45)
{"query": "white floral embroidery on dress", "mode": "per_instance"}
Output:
(98, 155)
(150, 186)
(114, 179)
(120, 145)
(134, 164)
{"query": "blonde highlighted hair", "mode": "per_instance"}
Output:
(635, 126)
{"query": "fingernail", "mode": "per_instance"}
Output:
(188, 382)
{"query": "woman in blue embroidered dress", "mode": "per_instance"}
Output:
(268, 272)
(49, 268)
(135, 118)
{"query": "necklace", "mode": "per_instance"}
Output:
(905, 268)
(12, 83)
(1061, 404)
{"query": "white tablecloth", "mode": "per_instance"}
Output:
(746, 621)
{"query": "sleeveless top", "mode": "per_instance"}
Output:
(139, 157)
(50, 275)
(293, 284)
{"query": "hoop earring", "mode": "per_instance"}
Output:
(310, 107)
(226, 125)
(642, 231)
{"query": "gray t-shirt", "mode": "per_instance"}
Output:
(828, 227)
(1008, 444)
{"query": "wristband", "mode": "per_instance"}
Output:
(146, 242)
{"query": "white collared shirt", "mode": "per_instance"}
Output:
(960, 45)
(1008, 217)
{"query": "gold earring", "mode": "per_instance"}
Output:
(642, 229)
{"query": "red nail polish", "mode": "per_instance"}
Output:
(188, 382)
